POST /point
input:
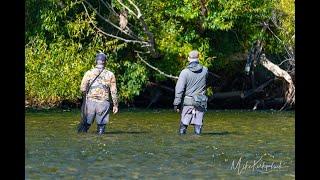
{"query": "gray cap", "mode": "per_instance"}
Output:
(193, 55)
(101, 56)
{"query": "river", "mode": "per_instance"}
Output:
(144, 144)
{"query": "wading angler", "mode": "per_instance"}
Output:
(190, 94)
(96, 86)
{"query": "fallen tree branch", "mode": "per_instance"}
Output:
(240, 94)
(161, 86)
(258, 89)
(154, 98)
(225, 95)
(213, 74)
(277, 71)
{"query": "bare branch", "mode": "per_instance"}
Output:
(285, 47)
(285, 61)
(150, 35)
(109, 7)
(152, 47)
(127, 8)
(150, 44)
(138, 10)
(110, 35)
(156, 69)
(106, 20)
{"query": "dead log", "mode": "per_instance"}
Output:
(258, 89)
(155, 98)
(282, 74)
(240, 94)
(256, 104)
(224, 95)
(161, 86)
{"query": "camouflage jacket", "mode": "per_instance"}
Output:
(103, 85)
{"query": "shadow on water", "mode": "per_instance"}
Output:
(222, 133)
(126, 132)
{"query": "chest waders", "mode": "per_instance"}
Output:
(83, 125)
(199, 103)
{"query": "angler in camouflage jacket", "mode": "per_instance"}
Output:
(97, 98)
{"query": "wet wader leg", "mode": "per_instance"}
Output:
(183, 128)
(101, 128)
(197, 129)
(90, 115)
(186, 117)
(84, 127)
(87, 123)
(102, 117)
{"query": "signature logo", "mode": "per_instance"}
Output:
(259, 165)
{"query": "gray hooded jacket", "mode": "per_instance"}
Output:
(192, 80)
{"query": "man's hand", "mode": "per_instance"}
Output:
(176, 108)
(115, 110)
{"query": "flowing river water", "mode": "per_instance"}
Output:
(144, 144)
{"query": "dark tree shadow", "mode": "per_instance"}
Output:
(126, 132)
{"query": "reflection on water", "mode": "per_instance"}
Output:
(145, 144)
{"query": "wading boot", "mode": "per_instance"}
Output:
(83, 127)
(197, 129)
(101, 129)
(183, 129)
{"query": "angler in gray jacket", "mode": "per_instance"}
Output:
(190, 94)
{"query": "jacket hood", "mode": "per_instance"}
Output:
(195, 67)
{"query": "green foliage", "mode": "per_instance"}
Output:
(54, 71)
(61, 43)
(62, 51)
(132, 80)
(209, 91)
(285, 14)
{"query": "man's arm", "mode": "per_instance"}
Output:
(179, 89)
(84, 83)
(113, 91)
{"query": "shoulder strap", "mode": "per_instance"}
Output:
(93, 81)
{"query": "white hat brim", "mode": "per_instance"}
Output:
(193, 59)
